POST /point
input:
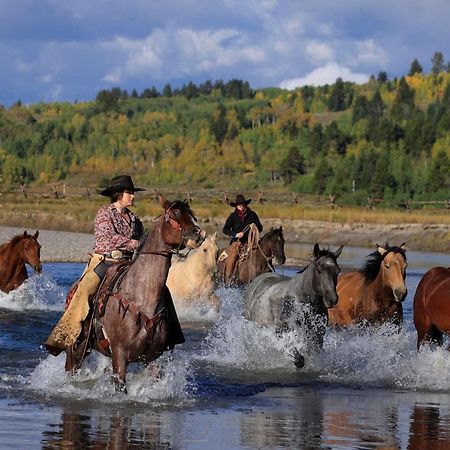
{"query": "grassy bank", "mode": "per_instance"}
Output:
(77, 213)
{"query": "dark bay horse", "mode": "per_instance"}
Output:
(273, 299)
(20, 250)
(431, 312)
(134, 318)
(374, 293)
(257, 259)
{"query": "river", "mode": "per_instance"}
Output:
(232, 385)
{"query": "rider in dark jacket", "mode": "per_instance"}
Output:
(240, 219)
(237, 226)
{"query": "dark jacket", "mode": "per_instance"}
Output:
(234, 224)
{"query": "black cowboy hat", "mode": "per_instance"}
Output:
(240, 200)
(120, 184)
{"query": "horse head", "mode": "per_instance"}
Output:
(208, 251)
(31, 251)
(275, 242)
(327, 270)
(392, 267)
(180, 227)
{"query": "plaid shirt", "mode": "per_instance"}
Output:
(112, 231)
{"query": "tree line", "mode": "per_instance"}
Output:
(384, 139)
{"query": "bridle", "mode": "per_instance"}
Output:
(177, 227)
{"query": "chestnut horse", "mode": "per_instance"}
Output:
(374, 293)
(258, 258)
(20, 250)
(431, 312)
(134, 316)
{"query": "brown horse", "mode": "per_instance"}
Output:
(376, 292)
(20, 250)
(431, 313)
(134, 317)
(257, 259)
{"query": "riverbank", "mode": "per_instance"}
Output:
(68, 246)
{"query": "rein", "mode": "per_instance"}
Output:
(253, 240)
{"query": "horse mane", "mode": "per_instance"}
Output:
(372, 264)
(270, 233)
(140, 245)
(13, 241)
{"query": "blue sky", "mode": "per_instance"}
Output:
(60, 50)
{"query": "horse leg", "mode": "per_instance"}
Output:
(119, 366)
(299, 359)
(70, 363)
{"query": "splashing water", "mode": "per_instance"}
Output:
(37, 293)
(171, 381)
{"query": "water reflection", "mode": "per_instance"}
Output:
(118, 430)
(430, 428)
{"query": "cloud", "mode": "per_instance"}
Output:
(325, 75)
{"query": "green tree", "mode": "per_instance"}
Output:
(437, 63)
(415, 68)
(292, 165)
(403, 105)
(336, 101)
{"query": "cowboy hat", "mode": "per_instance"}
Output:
(120, 183)
(240, 200)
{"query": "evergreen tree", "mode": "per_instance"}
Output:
(218, 124)
(382, 77)
(292, 165)
(415, 68)
(403, 105)
(360, 108)
(336, 101)
(167, 91)
(437, 62)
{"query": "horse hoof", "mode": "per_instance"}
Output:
(299, 360)
(119, 385)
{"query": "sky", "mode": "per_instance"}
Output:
(61, 50)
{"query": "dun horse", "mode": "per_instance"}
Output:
(432, 306)
(376, 292)
(20, 250)
(192, 280)
(273, 299)
(134, 318)
(257, 258)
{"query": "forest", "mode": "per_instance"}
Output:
(387, 139)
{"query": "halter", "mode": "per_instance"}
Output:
(177, 227)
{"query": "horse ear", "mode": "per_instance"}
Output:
(338, 251)
(215, 235)
(36, 235)
(25, 234)
(403, 246)
(162, 200)
(316, 250)
(381, 250)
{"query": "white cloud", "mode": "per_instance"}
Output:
(325, 75)
(319, 51)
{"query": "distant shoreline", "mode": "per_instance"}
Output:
(68, 246)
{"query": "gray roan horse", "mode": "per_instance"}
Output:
(298, 301)
(134, 316)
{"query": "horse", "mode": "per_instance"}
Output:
(133, 317)
(256, 259)
(431, 310)
(373, 294)
(192, 280)
(274, 299)
(20, 250)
